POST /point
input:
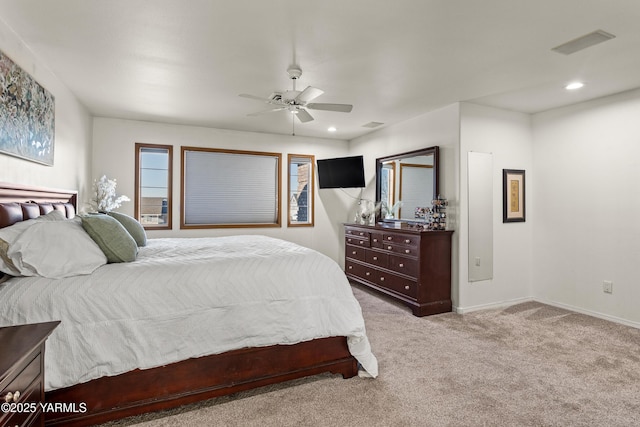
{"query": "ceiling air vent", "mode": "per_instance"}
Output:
(372, 125)
(583, 42)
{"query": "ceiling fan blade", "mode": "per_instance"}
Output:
(304, 116)
(308, 94)
(259, 113)
(245, 95)
(341, 108)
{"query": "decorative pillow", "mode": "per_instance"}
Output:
(9, 234)
(132, 226)
(55, 249)
(114, 240)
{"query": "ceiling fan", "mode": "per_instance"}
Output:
(297, 102)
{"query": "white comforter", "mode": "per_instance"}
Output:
(185, 298)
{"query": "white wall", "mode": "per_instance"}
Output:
(72, 150)
(587, 206)
(114, 156)
(507, 135)
(439, 127)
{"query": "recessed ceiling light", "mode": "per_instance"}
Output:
(332, 129)
(574, 86)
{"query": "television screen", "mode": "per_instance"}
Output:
(342, 172)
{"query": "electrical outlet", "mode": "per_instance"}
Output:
(607, 287)
(477, 261)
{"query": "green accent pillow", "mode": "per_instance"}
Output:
(112, 238)
(132, 226)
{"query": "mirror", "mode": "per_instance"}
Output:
(480, 195)
(411, 178)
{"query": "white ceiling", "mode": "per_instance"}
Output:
(186, 61)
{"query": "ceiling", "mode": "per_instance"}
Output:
(186, 62)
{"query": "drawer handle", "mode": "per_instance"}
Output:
(350, 267)
(407, 287)
(361, 233)
(389, 247)
(408, 251)
(354, 252)
(375, 258)
(367, 274)
(361, 242)
(12, 397)
(375, 240)
(382, 279)
(400, 265)
(407, 241)
(389, 238)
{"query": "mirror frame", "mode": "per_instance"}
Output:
(422, 152)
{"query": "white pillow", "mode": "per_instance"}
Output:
(9, 234)
(55, 250)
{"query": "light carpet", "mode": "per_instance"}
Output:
(526, 365)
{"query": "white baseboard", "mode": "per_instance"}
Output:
(503, 304)
(591, 313)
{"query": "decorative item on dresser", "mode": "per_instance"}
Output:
(22, 373)
(410, 264)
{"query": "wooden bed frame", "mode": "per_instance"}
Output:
(188, 381)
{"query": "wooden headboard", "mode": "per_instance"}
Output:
(21, 202)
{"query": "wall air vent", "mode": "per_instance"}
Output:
(583, 42)
(372, 125)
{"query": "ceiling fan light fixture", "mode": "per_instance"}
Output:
(297, 102)
(332, 129)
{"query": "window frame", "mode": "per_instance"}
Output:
(138, 193)
(278, 195)
(310, 191)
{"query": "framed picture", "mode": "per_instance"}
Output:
(513, 208)
(27, 116)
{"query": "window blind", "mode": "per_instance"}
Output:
(226, 188)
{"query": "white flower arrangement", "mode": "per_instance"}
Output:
(104, 195)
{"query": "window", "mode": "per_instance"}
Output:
(230, 188)
(153, 185)
(300, 205)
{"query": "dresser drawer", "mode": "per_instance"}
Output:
(408, 266)
(379, 259)
(30, 398)
(377, 240)
(24, 378)
(395, 283)
(28, 383)
(401, 239)
(356, 233)
(400, 249)
(383, 279)
(358, 270)
(358, 240)
(355, 252)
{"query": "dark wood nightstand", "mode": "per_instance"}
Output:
(22, 373)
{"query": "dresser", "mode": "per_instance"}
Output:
(410, 265)
(22, 373)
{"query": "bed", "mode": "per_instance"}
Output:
(188, 332)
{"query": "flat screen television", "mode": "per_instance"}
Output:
(342, 172)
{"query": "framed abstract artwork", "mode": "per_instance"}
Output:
(513, 208)
(27, 115)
